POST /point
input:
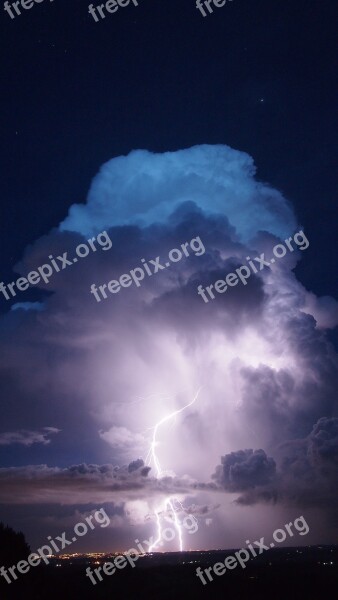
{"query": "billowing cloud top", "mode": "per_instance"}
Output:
(145, 188)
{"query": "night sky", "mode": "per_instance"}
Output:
(157, 126)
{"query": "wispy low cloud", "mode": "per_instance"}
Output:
(26, 437)
(79, 484)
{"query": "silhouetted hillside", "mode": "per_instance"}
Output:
(13, 546)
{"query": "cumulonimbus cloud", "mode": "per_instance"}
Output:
(260, 352)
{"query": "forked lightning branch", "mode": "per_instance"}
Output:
(169, 504)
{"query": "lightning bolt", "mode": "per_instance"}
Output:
(169, 502)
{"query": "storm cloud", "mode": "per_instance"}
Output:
(245, 469)
(110, 371)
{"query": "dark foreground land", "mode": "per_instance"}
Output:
(309, 573)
